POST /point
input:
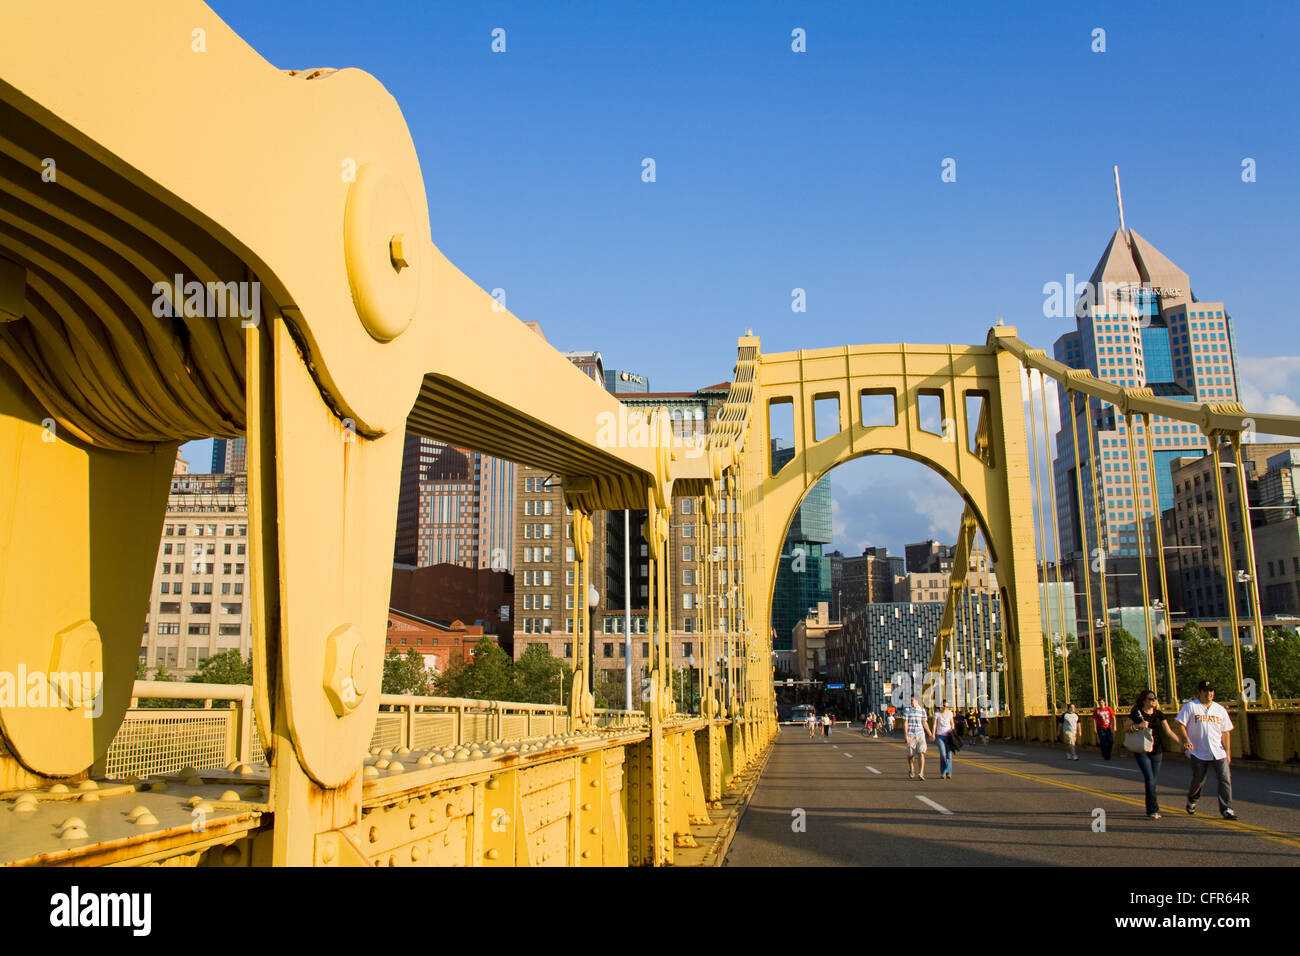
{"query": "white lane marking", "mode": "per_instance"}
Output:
(873, 769)
(929, 802)
(1106, 766)
(846, 753)
(836, 746)
(1014, 753)
(1285, 793)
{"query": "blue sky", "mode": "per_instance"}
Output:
(821, 170)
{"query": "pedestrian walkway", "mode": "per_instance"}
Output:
(849, 802)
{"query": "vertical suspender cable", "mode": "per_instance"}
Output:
(1160, 551)
(1140, 524)
(1248, 534)
(1042, 536)
(1083, 548)
(1056, 536)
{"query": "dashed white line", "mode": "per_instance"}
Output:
(1106, 766)
(931, 803)
(846, 753)
(873, 769)
(1014, 753)
(1285, 793)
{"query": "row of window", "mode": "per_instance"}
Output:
(199, 549)
(179, 530)
(201, 567)
(177, 587)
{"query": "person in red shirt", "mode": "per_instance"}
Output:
(1104, 718)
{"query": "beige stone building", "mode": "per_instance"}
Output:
(198, 606)
(543, 611)
(923, 586)
(810, 639)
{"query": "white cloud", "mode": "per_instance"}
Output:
(1270, 376)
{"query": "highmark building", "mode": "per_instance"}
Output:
(1138, 325)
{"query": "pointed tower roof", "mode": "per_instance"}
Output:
(1158, 270)
(1116, 264)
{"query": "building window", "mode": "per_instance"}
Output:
(609, 649)
(687, 648)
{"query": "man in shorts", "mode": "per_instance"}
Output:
(916, 728)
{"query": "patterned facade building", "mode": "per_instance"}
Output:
(455, 507)
(879, 642)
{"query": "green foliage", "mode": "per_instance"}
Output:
(406, 674)
(1130, 668)
(541, 678)
(686, 689)
(227, 667)
(1282, 648)
(488, 675)
(1204, 657)
(141, 669)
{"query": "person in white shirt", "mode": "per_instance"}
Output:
(1070, 731)
(943, 726)
(1205, 728)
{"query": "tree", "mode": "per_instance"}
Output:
(227, 667)
(541, 678)
(1130, 667)
(1282, 646)
(488, 675)
(406, 674)
(141, 669)
(1204, 656)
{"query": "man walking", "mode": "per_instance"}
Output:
(1070, 732)
(916, 728)
(1204, 727)
(1104, 719)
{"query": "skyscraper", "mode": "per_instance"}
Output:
(1138, 324)
(455, 507)
(229, 456)
(803, 578)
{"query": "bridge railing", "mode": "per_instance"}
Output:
(425, 722)
(157, 740)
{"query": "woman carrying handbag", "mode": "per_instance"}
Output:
(1147, 725)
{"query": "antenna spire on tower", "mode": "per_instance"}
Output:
(1119, 199)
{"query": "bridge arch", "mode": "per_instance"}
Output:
(981, 455)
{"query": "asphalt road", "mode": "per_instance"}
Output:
(1007, 804)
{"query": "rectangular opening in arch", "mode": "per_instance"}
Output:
(878, 406)
(826, 415)
(931, 414)
(780, 432)
(977, 408)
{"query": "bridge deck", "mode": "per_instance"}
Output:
(1010, 803)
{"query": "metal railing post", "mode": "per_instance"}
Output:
(245, 727)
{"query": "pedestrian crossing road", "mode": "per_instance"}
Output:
(847, 801)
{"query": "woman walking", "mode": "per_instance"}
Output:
(1147, 728)
(943, 728)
